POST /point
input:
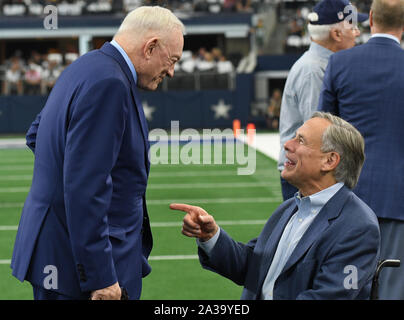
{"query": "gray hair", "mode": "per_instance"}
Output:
(150, 18)
(322, 32)
(344, 139)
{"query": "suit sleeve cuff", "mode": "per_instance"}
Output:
(208, 246)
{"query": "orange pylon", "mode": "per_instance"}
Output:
(236, 127)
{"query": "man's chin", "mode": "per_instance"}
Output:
(287, 176)
(150, 87)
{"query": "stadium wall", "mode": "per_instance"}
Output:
(193, 109)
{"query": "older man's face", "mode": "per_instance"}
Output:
(304, 157)
(349, 33)
(167, 53)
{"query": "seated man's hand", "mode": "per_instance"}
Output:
(197, 222)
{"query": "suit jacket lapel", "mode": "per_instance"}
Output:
(145, 129)
(111, 51)
(330, 211)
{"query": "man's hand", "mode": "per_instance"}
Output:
(110, 293)
(197, 222)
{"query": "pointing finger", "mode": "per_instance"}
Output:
(181, 207)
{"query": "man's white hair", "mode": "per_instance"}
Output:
(150, 18)
(322, 32)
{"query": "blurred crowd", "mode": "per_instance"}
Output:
(204, 61)
(35, 75)
(79, 7)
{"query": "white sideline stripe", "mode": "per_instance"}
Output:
(168, 201)
(151, 258)
(16, 178)
(175, 224)
(14, 190)
(16, 161)
(17, 167)
(8, 228)
(178, 186)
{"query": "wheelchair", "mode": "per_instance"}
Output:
(392, 263)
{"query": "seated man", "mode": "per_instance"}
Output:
(321, 244)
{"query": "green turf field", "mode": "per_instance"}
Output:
(240, 204)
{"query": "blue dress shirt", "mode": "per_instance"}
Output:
(308, 208)
(127, 59)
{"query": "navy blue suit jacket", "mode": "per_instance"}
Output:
(86, 213)
(345, 233)
(365, 86)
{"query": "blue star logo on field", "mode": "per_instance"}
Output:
(221, 110)
(148, 110)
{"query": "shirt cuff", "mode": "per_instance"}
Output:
(208, 246)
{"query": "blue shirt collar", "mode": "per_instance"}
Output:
(126, 57)
(317, 201)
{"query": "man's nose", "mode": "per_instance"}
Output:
(170, 72)
(288, 144)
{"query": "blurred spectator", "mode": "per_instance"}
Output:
(243, 5)
(13, 78)
(207, 63)
(229, 5)
(32, 78)
(274, 110)
(189, 61)
(237, 6)
(224, 66)
(51, 74)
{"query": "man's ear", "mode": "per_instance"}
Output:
(331, 161)
(150, 47)
(335, 34)
(371, 18)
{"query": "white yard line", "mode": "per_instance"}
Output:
(17, 168)
(151, 258)
(177, 186)
(177, 257)
(176, 224)
(16, 178)
(168, 201)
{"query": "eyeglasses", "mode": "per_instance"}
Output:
(171, 61)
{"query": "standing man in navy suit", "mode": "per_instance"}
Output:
(84, 230)
(321, 244)
(365, 86)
